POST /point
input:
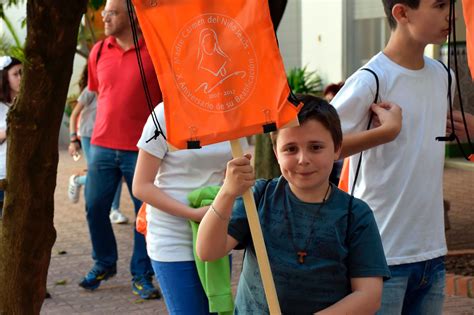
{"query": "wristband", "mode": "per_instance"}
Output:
(220, 216)
(73, 134)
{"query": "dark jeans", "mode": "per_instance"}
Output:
(181, 287)
(416, 288)
(105, 170)
(86, 145)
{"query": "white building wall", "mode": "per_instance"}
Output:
(322, 37)
(289, 35)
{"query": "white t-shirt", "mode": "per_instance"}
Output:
(87, 120)
(402, 180)
(3, 147)
(169, 238)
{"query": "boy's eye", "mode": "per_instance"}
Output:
(290, 149)
(441, 4)
(316, 147)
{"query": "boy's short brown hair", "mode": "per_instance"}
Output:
(389, 4)
(320, 110)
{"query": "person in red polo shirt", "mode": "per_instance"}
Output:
(121, 114)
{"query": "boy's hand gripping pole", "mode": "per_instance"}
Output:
(258, 242)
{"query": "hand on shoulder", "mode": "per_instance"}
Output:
(388, 116)
(459, 124)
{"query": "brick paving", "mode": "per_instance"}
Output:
(70, 257)
(459, 190)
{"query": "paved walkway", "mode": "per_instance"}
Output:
(71, 256)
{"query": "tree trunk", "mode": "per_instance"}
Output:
(266, 165)
(34, 120)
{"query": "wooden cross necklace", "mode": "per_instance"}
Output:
(302, 253)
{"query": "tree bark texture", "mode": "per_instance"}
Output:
(266, 165)
(34, 120)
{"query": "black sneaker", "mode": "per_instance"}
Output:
(143, 287)
(92, 280)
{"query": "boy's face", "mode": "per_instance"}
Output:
(429, 23)
(306, 156)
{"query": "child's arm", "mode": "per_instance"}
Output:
(144, 189)
(365, 298)
(459, 124)
(74, 147)
(213, 242)
(3, 135)
(387, 122)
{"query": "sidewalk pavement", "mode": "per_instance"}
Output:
(71, 259)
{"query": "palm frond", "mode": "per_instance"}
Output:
(303, 81)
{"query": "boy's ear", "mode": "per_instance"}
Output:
(399, 12)
(275, 151)
(337, 153)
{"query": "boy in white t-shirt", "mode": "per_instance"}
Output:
(402, 180)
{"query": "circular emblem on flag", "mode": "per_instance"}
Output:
(214, 63)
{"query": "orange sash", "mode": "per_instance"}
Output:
(468, 8)
(141, 223)
(219, 68)
(344, 177)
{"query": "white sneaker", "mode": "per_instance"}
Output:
(74, 189)
(117, 217)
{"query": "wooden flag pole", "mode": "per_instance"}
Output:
(258, 242)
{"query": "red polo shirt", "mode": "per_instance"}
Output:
(121, 109)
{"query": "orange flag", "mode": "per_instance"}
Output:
(140, 222)
(344, 177)
(219, 68)
(468, 8)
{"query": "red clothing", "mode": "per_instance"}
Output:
(468, 7)
(121, 109)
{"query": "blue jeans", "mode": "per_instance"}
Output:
(105, 170)
(416, 288)
(181, 287)
(81, 180)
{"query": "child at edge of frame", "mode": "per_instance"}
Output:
(325, 258)
(411, 217)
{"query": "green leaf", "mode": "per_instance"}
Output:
(61, 282)
(96, 4)
(303, 81)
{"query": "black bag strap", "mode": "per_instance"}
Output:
(99, 52)
(368, 125)
(359, 163)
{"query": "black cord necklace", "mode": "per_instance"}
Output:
(301, 253)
